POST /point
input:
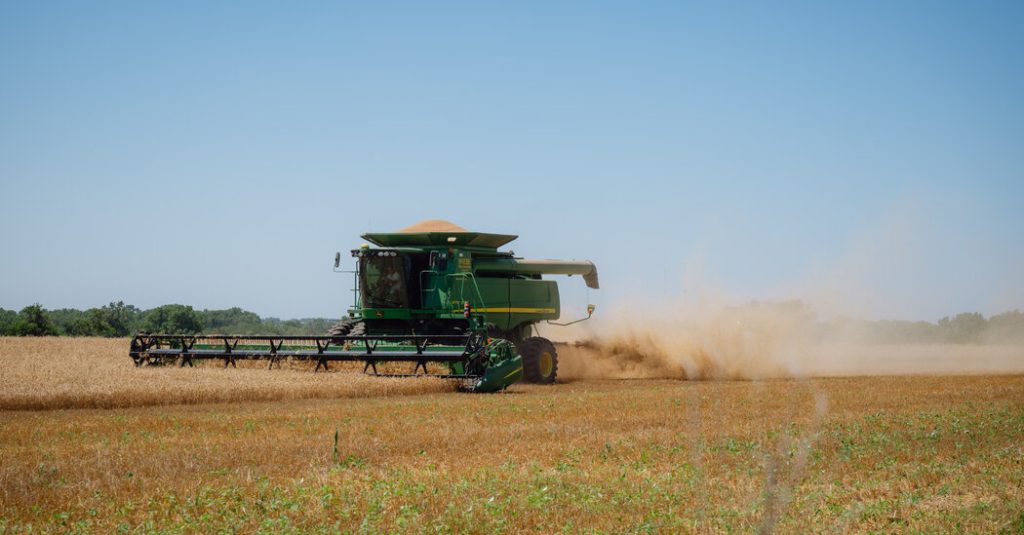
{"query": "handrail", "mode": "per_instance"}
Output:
(462, 288)
(479, 299)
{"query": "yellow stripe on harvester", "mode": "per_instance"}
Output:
(513, 310)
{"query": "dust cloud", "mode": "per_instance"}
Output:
(757, 341)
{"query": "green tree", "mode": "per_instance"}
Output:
(1006, 327)
(34, 321)
(231, 321)
(172, 319)
(903, 332)
(964, 328)
(123, 319)
(92, 322)
(8, 318)
(65, 319)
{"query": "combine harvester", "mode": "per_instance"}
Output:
(430, 293)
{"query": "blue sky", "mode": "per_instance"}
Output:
(866, 157)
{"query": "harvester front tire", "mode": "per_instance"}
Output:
(540, 360)
(347, 327)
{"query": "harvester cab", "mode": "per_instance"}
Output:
(434, 292)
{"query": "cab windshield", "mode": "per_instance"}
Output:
(382, 280)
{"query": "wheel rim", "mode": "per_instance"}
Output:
(546, 363)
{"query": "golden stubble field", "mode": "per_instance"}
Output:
(889, 454)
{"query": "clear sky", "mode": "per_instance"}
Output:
(865, 156)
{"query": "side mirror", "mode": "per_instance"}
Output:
(337, 259)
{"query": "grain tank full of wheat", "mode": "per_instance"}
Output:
(430, 293)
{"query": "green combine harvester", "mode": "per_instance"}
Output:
(431, 293)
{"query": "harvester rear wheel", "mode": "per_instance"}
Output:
(540, 360)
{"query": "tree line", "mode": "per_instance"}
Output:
(965, 328)
(120, 320)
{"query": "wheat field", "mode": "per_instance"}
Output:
(830, 455)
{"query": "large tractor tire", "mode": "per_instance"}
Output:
(347, 327)
(540, 360)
